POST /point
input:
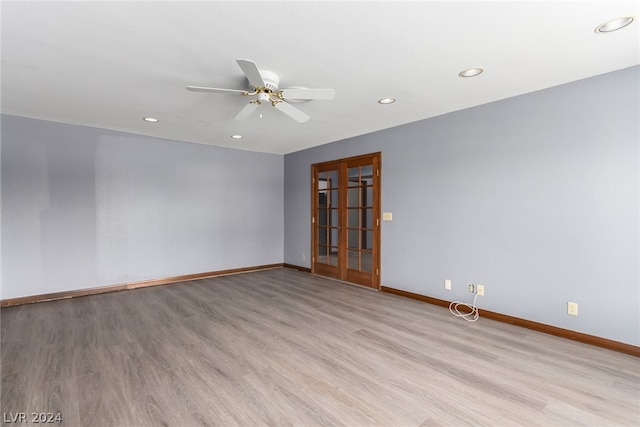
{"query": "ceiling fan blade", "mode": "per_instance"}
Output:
(321, 94)
(292, 112)
(215, 90)
(247, 110)
(250, 69)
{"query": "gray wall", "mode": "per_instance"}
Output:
(536, 197)
(85, 207)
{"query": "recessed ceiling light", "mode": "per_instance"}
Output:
(614, 24)
(386, 100)
(471, 72)
(150, 119)
(236, 136)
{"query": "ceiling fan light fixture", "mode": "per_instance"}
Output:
(614, 25)
(471, 72)
(150, 119)
(388, 100)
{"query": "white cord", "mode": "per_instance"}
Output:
(471, 316)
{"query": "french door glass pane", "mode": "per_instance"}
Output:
(353, 197)
(354, 260)
(353, 218)
(333, 236)
(366, 263)
(368, 240)
(353, 241)
(332, 177)
(333, 256)
(367, 219)
(368, 196)
(334, 198)
(335, 217)
(354, 176)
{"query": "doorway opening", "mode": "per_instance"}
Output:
(345, 219)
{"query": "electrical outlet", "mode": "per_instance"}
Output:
(471, 288)
(447, 284)
(480, 289)
(572, 308)
(304, 257)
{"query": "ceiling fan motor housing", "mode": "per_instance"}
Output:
(271, 80)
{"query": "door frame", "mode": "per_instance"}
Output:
(341, 271)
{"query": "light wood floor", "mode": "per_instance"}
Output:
(282, 347)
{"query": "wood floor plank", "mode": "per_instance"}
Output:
(205, 395)
(283, 347)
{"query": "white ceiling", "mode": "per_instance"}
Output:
(108, 64)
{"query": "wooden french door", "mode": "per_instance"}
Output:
(345, 219)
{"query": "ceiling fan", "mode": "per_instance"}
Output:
(265, 90)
